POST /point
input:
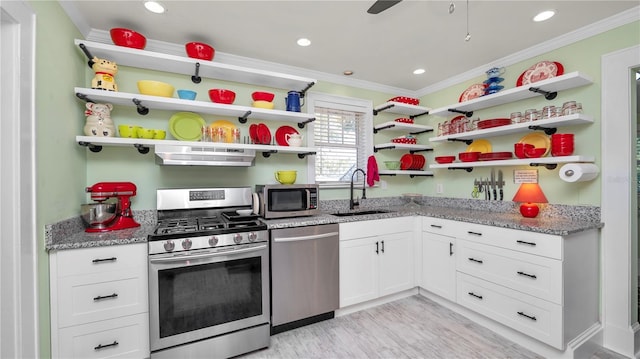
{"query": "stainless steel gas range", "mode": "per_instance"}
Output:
(208, 275)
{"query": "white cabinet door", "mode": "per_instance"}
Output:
(439, 265)
(396, 262)
(358, 271)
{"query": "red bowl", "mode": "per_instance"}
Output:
(561, 152)
(127, 38)
(562, 135)
(222, 96)
(445, 159)
(519, 148)
(535, 152)
(199, 50)
(262, 96)
(468, 156)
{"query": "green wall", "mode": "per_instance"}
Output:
(64, 169)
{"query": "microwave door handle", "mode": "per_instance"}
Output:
(306, 238)
(177, 258)
(308, 198)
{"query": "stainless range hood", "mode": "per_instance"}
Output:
(185, 155)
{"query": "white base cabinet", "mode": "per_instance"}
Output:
(376, 259)
(99, 302)
(439, 257)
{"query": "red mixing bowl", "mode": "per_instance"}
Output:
(199, 50)
(127, 38)
(262, 96)
(445, 159)
(222, 96)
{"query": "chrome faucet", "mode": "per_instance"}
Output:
(353, 203)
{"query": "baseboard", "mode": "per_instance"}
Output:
(376, 302)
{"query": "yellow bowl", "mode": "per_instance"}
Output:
(286, 177)
(264, 104)
(128, 131)
(155, 88)
(146, 133)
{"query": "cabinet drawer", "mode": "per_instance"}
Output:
(534, 317)
(94, 297)
(126, 337)
(362, 229)
(440, 226)
(100, 259)
(521, 241)
(538, 276)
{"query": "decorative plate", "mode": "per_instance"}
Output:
(480, 145)
(538, 140)
(264, 134)
(406, 161)
(407, 100)
(186, 126)
(281, 134)
(473, 91)
(541, 71)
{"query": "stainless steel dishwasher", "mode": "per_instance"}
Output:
(305, 278)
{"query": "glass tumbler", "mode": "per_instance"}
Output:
(531, 115)
(549, 112)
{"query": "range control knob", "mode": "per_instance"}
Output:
(237, 238)
(252, 236)
(213, 241)
(186, 244)
(169, 246)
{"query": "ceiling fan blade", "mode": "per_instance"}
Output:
(381, 5)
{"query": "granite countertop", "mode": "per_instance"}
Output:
(558, 220)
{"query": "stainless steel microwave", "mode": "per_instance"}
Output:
(290, 200)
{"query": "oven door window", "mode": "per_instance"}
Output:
(287, 200)
(201, 296)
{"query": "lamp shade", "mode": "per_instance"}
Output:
(529, 194)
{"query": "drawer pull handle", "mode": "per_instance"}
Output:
(525, 242)
(450, 249)
(100, 346)
(476, 260)
(100, 260)
(528, 316)
(528, 275)
(475, 295)
(382, 246)
(377, 247)
(436, 226)
(475, 233)
(101, 297)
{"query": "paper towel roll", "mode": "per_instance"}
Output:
(578, 172)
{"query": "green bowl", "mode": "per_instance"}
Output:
(392, 165)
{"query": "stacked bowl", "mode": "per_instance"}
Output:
(562, 144)
(263, 99)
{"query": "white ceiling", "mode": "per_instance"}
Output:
(383, 49)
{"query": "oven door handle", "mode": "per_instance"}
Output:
(177, 258)
(306, 238)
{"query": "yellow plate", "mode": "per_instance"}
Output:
(228, 129)
(482, 146)
(538, 140)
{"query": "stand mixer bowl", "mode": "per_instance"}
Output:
(98, 215)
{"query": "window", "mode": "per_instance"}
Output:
(342, 136)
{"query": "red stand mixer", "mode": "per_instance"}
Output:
(104, 217)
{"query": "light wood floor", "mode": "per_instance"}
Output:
(414, 327)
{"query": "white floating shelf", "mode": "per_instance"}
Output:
(185, 65)
(401, 126)
(575, 119)
(515, 162)
(554, 84)
(401, 146)
(401, 109)
(411, 173)
(176, 104)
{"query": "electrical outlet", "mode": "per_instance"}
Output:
(439, 188)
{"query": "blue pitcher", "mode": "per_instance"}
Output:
(293, 101)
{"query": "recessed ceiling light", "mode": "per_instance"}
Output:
(304, 42)
(419, 71)
(544, 15)
(347, 72)
(154, 7)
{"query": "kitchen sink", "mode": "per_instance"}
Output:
(359, 213)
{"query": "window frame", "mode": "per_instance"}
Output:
(340, 103)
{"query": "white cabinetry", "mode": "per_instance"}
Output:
(544, 286)
(438, 257)
(99, 302)
(376, 259)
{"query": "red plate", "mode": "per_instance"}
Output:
(541, 71)
(473, 91)
(264, 135)
(493, 156)
(494, 123)
(281, 134)
(253, 133)
(418, 162)
(407, 100)
(406, 161)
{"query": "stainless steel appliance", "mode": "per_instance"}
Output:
(208, 275)
(305, 280)
(291, 200)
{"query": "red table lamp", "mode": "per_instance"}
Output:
(529, 194)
